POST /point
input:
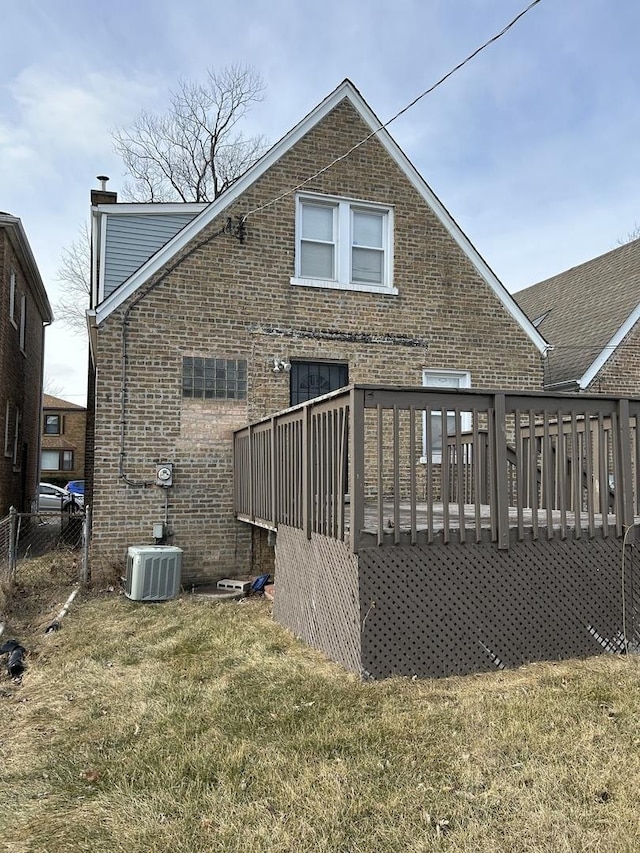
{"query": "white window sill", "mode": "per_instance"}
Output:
(436, 459)
(337, 285)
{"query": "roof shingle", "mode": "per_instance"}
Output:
(583, 308)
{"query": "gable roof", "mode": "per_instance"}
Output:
(51, 402)
(586, 311)
(345, 91)
(18, 238)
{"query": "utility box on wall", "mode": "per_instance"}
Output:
(153, 572)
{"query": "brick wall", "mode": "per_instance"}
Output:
(20, 385)
(72, 437)
(235, 300)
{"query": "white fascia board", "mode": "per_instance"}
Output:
(94, 257)
(157, 261)
(456, 232)
(345, 90)
(102, 230)
(607, 351)
(21, 245)
(90, 317)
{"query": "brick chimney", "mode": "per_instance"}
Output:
(103, 195)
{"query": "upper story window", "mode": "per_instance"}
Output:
(52, 424)
(343, 244)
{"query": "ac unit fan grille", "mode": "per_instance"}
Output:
(153, 574)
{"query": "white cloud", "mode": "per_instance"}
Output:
(532, 146)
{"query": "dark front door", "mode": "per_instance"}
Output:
(310, 379)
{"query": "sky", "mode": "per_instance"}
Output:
(532, 146)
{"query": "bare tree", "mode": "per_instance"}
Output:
(631, 236)
(195, 151)
(75, 277)
(50, 386)
(192, 153)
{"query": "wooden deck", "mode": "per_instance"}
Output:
(474, 523)
(541, 465)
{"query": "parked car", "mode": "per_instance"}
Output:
(76, 487)
(51, 498)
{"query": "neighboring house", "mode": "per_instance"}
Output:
(589, 314)
(63, 441)
(296, 281)
(24, 312)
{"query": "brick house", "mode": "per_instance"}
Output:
(589, 314)
(63, 440)
(298, 280)
(25, 313)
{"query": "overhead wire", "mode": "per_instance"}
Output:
(401, 112)
(242, 220)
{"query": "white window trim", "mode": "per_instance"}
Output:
(8, 450)
(60, 457)
(16, 439)
(466, 421)
(12, 298)
(23, 323)
(344, 208)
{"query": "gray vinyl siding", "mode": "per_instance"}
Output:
(132, 239)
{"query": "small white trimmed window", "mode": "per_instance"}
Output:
(343, 244)
(432, 431)
(56, 460)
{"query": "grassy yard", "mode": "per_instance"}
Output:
(187, 727)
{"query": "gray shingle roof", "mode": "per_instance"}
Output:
(583, 308)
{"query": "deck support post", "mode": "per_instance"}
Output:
(500, 462)
(356, 452)
(252, 509)
(622, 462)
(275, 473)
(306, 471)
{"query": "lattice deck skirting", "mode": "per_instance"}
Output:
(436, 610)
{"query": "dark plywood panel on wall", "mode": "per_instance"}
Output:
(441, 610)
(316, 594)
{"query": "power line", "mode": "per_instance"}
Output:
(398, 114)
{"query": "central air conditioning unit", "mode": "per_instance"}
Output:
(153, 572)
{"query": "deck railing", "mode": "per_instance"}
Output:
(366, 462)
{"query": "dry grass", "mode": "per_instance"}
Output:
(193, 727)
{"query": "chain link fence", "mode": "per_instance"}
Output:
(25, 535)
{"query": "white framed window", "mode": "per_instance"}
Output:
(432, 431)
(52, 425)
(56, 460)
(343, 243)
(23, 322)
(12, 297)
